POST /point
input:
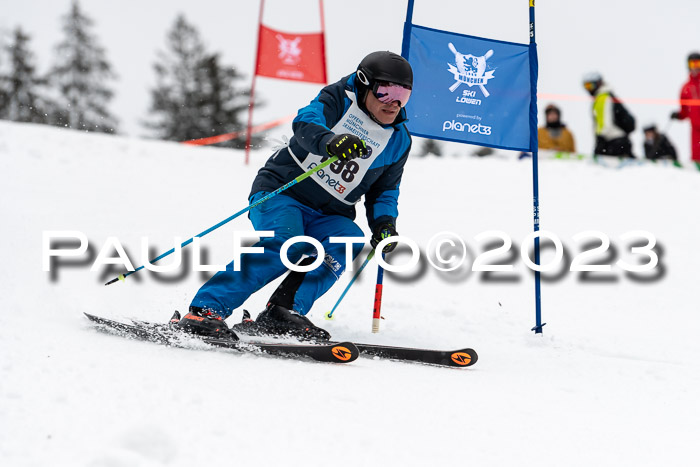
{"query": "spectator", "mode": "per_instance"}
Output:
(691, 90)
(656, 145)
(554, 135)
(611, 121)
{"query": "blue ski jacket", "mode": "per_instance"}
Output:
(337, 188)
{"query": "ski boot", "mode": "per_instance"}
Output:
(276, 319)
(204, 322)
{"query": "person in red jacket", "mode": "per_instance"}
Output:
(691, 91)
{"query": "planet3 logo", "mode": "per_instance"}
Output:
(478, 128)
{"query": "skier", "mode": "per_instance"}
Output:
(554, 135)
(656, 144)
(612, 122)
(360, 119)
(691, 90)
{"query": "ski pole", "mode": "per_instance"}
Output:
(229, 219)
(377, 315)
(329, 315)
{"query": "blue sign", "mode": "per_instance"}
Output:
(469, 90)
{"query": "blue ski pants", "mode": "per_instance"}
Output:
(288, 218)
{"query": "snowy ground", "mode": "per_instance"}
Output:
(612, 381)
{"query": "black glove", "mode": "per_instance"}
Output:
(381, 232)
(676, 115)
(346, 147)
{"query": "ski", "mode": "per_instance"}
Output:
(455, 358)
(459, 358)
(335, 352)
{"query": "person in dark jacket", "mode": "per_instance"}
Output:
(360, 119)
(656, 145)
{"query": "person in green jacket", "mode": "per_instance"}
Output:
(612, 122)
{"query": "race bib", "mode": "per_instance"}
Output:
(341, 177)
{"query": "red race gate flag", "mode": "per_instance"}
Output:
(282, 55)
(298, 57)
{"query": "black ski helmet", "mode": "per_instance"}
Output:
(383, 66)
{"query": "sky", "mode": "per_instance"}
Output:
(639, 47)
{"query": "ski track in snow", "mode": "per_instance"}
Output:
(612, 381)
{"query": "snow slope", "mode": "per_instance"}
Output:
(612, 381)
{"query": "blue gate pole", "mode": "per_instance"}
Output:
(407, 30)
(535, 176)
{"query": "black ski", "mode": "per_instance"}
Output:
(460, 358)
(457, 358)
(334, 352)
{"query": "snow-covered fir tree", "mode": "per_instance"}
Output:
(3, 72)
(195, 96)
(80, 75)
(222, 102)
(22, 91)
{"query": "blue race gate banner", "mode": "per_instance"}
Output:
(478, 91)
(468, 89)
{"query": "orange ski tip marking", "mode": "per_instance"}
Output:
(461, 358)
(341, 353)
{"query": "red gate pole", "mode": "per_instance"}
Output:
(323, 43)
(251, 103)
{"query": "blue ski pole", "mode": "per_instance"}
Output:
(229, 219)
(329, 315)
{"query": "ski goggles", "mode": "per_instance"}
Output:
(590, 85)
(694, 64)
(386, 93)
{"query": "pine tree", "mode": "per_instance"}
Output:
(3, 82)
(221, 102)
(21, 99)
(174, 100)
(195, 95)
(80, 75)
